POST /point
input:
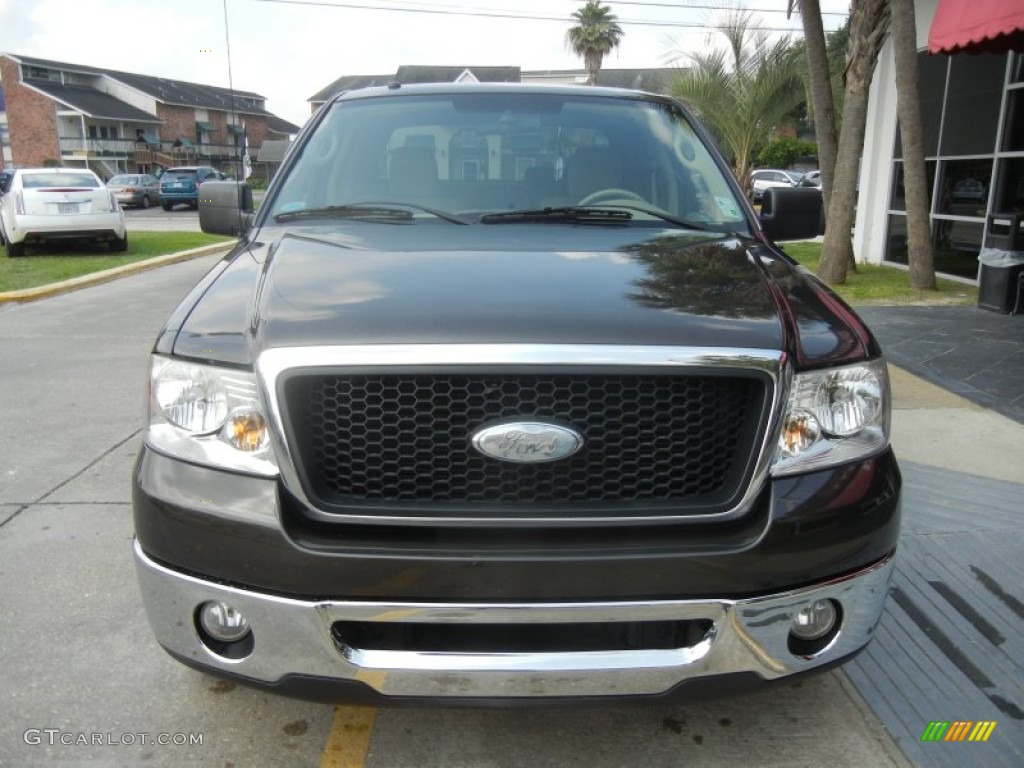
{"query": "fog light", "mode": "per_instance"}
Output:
(815, 621)
(223, 623)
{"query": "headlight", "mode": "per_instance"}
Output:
(834, 416)
(209, 415)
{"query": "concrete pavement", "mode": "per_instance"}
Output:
(950, 645)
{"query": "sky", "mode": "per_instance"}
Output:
(287, 50)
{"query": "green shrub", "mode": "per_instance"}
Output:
(782, 153)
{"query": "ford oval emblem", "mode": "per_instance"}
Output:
(527, 442)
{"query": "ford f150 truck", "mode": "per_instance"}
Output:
(505, 393)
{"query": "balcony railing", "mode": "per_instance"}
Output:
(161, 153)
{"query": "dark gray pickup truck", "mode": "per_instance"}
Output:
(506, 394)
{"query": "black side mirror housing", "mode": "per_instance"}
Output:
(792, 213)
(225, 208)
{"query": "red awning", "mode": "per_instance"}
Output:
(977, 26)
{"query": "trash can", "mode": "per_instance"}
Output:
(1001, 283)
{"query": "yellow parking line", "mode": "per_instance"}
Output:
(349, 740)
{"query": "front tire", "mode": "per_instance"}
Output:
(166, 206)
(15, 250)
(145, 201)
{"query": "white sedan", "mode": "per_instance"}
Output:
(46, 204)
(764, 178)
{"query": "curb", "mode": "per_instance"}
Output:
(95, 278)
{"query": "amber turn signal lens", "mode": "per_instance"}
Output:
(799, 432)
(247, 430)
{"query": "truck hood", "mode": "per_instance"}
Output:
(525, 283)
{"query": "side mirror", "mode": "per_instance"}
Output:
(792, 213)
(225, 208)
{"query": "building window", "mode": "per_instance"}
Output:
(969, 176)
(1017, 73)
(1013, 133)
(1010, 186)
(898, 201)
(41, 73)
(956, 245)
(972, 104)
(932, 73)
(964, 187)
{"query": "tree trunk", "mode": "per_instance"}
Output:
(592, 61)
(915, 179)
(869, 20)
(821, 94)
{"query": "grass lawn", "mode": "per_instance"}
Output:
(53, 263)
(876, 284)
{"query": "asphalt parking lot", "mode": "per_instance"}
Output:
(156, 219)
(86, 685)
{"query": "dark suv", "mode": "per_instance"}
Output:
(181, 185)
(506, 393)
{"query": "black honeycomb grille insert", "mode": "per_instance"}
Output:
(364, 439)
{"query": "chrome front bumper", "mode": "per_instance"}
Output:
(293, 638)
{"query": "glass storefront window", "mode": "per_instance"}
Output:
(896, 240)
(972, 104)
(1010, 198)
(964, 188)
(899, 195)
(956, 245)
(931, 87)
(1013, 132)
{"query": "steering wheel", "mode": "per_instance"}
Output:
(609, 195)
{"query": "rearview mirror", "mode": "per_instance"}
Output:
(792, 213)
(225, 208)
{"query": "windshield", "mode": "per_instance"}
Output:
(483, 153)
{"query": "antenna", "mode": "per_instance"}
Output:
(239, 170)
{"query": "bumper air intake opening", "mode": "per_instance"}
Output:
(520, 638)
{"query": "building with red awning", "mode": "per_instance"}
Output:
(977, 26)
(971, 68)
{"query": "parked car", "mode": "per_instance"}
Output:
(181, 185)
(766, 178)
(442, 429)
(811, 179)
(969, 190)
(136, 189)
(6, 174)
(47, 204)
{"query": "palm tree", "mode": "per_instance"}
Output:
(596, 34)
(920, 256)
(821, 93)
(743, 93)
(869, 22)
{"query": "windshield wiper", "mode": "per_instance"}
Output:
(570, 213)
(665, 216)
(369, 210)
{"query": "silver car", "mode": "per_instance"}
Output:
(141, 189)
(764, 178)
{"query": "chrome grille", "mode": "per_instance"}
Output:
(670, 439)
